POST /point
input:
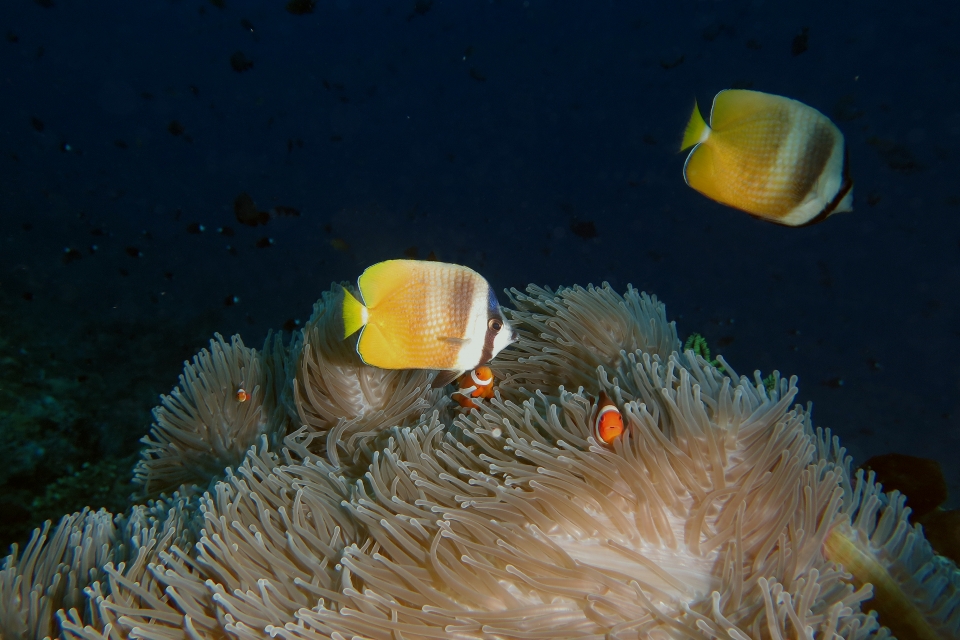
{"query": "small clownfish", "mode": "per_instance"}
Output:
(419, 314)
(773, 157)
(608, 425)
(242, 396)
(477, 384)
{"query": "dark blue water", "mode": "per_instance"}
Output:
(491, 134)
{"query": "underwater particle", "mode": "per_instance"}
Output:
(300, 7)
(873, 198)
(168, 275)
(725, 341)
(421, 7)
(195, 227)
(754, 44)
(942, 530)
(649, 139)
(713, 31)
(146, 95)
(846, 109)
(246, 211)
(194, 89)
(264, 242)
(229, 301)
(27, 226)
(833, 383)
(896, 156)
(219, 4)
(71, 255)
(175, 128)
(246, 25)
(27, 295)
(124, 272)
(411, 252)
(285, 211)
(240, 62)
(467, 52)
(920, 479)
(585, 229)
(120, 144)
(37, 124)
(672, 64)
(226, 231)
(291, 325)
(12, 38)
(133, 252)
(339, 244)
(476, 75)
(800, 42)
(46, 4)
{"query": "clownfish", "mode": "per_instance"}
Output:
(608, 425)
(773, 157)
(477, 384)
(419, 314)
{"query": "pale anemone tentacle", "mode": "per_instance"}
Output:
(202, 426)
(368, 508)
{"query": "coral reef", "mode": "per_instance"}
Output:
(338, 500)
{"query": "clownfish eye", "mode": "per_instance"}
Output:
(495, 324)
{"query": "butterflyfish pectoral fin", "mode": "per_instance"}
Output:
(455, 341)
(444, 378)
(354, 314)
(697, 130)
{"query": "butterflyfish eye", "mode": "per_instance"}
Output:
(495, 324)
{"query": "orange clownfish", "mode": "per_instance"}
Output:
(242, 395)
(476, 384)
(608, 425)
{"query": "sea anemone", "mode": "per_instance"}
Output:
(720, 513)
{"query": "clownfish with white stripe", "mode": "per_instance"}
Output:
(608, 425)
(475, 384)
(419, 314)
(773, 157)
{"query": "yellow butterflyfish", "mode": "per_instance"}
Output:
(420, 314)
(770, 156)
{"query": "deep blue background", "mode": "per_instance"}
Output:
(481, 131)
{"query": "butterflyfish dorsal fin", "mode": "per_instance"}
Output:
(697, 129)
(734, 106)
(386, 279)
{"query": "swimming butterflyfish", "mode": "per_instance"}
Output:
(420, 314)
(608, 425)
(475, 384)
(770, 156)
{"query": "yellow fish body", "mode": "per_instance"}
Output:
(425, 315)
(770, 156)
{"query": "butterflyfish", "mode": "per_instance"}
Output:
(418, 314)
(474, 384)
(773, 157)
(608, 425)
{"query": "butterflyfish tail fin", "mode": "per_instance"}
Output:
(697, 129)
(354, 314)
